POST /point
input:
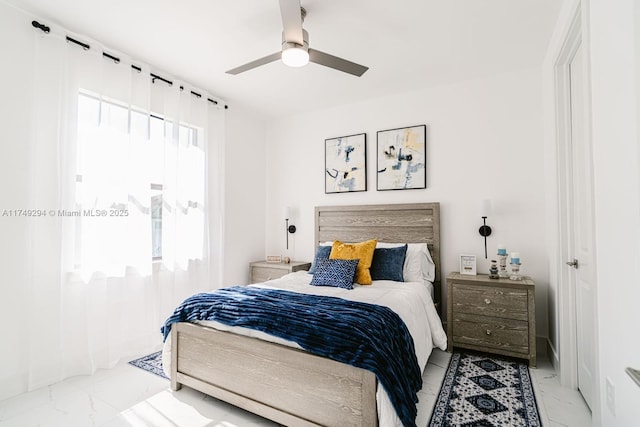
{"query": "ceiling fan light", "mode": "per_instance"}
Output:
(295, 57)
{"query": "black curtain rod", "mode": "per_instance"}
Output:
(79, 43)
(115, 59)
(111, 57)
(155, 77)
(197, 95)
(200, 96)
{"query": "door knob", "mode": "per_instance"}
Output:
(573, 263)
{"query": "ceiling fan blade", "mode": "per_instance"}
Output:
(336, 63)
(291, 21)
(258, 62)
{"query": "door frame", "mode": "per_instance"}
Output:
(567, 340)
(575, 36)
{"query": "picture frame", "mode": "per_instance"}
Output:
(468, 265)
(274, 258)
(402, 158)
(345, 160)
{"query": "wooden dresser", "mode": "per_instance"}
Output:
(494, 316)
(261, 271)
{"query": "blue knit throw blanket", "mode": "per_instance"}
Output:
(364, 335)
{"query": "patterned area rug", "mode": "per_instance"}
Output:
(484, 391)
(150, 363)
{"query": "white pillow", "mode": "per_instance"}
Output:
(418, 264)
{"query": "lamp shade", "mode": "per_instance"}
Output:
(287, 212)
(486, 207)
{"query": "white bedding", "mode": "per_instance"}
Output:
(410, 300)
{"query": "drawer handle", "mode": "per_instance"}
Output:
(487, 301)
(268, 278)
(488, 332)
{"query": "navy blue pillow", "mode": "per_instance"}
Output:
(321, 253)
(335, 272)
(387, 263)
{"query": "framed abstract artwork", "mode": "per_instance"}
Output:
(402, 155)
(345, 164)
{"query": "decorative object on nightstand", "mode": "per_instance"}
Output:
(515, 266)
(494, 316)
(289, 228)
(468, 264)
(493, 270)
(274, 258)
(261, 271)
(502, 257)
(485, 230)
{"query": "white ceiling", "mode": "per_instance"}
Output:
(406, 44)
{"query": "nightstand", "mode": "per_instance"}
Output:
(492, 315)
(262, 271)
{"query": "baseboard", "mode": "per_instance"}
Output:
(12, 386)
(544, 349)
(552, 355)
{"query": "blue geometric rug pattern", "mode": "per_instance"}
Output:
(479, 390)
(150, 363)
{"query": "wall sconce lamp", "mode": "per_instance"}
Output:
(485, 230)
(289, 228)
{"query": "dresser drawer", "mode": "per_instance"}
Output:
(490, 301)
(492, 333)
(262, 274)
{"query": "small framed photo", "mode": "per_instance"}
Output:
(468, 265)
(274, 258)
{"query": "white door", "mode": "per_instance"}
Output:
(582, 264)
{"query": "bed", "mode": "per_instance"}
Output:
(275, 378)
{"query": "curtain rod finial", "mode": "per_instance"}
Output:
(41, 27)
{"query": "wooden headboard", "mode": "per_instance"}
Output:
(401, 223)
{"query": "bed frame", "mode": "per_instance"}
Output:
(287, 385)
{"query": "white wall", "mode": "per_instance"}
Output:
(245, 194)
(484, 140)
(615, 66)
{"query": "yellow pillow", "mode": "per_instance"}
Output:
(362, 251)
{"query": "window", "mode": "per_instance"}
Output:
(136, 168)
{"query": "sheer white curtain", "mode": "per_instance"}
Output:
(122, 166)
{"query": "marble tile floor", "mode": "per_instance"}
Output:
(126, 396)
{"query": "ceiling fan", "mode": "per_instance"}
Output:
(295, 46)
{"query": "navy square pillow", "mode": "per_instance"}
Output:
(321, 253)
(335, 272)
(388, 263)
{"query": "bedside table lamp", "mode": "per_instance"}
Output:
(289, 228)
(485, 230)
